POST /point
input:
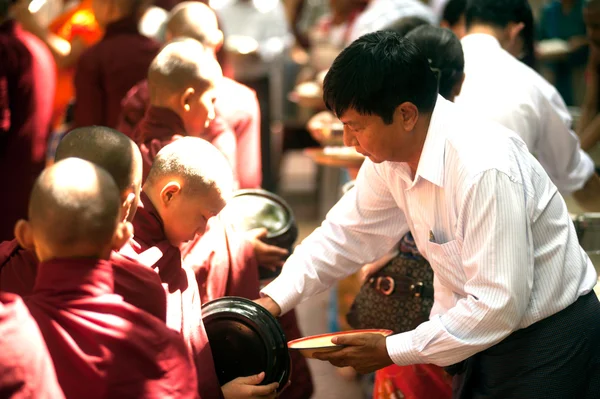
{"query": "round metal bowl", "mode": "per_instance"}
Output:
(246, 339)
(254, 208)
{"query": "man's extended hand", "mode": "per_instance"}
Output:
(269, 304)
(268, 256)
(363, 352)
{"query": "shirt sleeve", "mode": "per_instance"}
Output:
(362, 227)
(89, 96)
(558, 148)
(494, 250)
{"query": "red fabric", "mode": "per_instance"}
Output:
(161, 126)
(101, 346)
(107, 70)
(137, 285)
(26, 370)
(412, 382)
(151, 247)
(27, 87)
(237, 109)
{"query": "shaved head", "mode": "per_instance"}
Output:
(181, 64)
(199, 165)
(74, 203)
(195, 20)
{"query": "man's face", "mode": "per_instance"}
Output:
(591, 17)
(378, 141)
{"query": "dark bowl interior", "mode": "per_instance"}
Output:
(245, 339)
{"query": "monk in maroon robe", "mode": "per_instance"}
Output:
(101, 346)
(119, 156)
(235, 103)
(107, 70)
(26, 370)
(182, 192)
(27, 87)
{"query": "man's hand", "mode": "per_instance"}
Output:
(363, 352)
(269, 304)
(268, 256)
(248, 388)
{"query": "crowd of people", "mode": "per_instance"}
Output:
(119, 150)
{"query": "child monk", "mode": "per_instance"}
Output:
(235, 103)
(119, 156)
(26, 370)
(189, 183)
(102, 347)
(107, 70)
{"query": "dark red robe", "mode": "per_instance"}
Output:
(237, 110)
(151, 247)
(107, 70)
(27, 87)
(26, 370)
(101, 346)
(137, 285)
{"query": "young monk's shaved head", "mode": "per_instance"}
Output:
(196, 163)
(74, 206)
(112, 151)
(181, 64)
(195, 20)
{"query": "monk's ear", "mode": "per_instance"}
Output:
(218, 40)
(24, 234)
(126, 204)
(123, 234)
(169, 191)
(186, 99)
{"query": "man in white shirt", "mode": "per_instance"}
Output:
(381, 13)
(500, 87)
(513, 288)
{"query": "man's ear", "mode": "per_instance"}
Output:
(24, 235)
(513, 30)
(186, 99)
(408, 115)
(169, 191)
(128, 198)
(458, 86)
(122, 235)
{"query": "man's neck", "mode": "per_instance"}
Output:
(484, 29)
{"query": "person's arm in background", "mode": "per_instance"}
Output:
(296, 14)
(248, 142)
(220, 134)
(589, 123)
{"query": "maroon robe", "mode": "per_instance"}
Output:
(27, 87)
(151, 247)
(26, 370)
(237, 110)
(107, 70)
(101, 346)
(137, 285)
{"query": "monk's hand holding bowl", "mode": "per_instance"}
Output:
(363, 352)
(248, 388)
(268, 256)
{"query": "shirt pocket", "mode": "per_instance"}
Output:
(446, 261)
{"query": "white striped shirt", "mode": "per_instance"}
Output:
(484, 213)
(500, 87)
(381, 13)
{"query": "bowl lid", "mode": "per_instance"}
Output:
(245, 339)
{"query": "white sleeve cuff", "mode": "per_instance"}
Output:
(283, 293)
(401, 349)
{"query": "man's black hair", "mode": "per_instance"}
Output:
(378, 72)
(453, 10)
(404, 25)
(445, 54)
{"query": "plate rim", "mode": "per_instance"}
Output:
(386, 332)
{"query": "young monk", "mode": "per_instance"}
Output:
(26, 369)
(107, 70)
(189, 183)
(102, 347)
(235, 103)
(120, 157)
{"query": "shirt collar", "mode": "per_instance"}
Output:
(83, 277)
(431, 162)
(480, 40)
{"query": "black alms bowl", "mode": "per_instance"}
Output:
(246, 339)
(254, 208)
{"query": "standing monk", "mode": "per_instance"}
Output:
(107, 70)
(102, 347)
(27, 85)
(120, 157)
(513, 288)
(187, 185)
